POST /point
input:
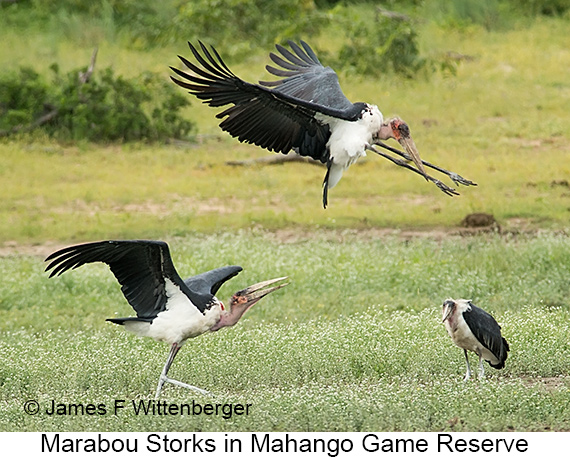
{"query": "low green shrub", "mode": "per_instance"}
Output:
(244, 24)
(379, 44)
(105, 108)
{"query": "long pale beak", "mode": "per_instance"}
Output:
(446, 312)
(252, 294)
(410, 147)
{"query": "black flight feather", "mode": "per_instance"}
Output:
(278, 119)
(141, 267)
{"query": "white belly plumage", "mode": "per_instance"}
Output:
(348, 141)
(181, 319)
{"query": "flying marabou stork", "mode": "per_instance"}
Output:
(305, 111)
(168, 308)
(473, 329)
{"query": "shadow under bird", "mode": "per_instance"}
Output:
(168, 308)
(304, 111)
(473, 329)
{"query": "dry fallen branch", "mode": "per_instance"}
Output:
(28, 128)
(84, 77)
(393, 14)
(458, 57)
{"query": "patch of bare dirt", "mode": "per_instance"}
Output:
(295, 235)
(10, 248)
(538, 143)
(515, 226)
(549, 383)
(177, 204)
(299, 234)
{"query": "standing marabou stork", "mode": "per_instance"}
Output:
(474, 329)
(168, 308)
(305, 111)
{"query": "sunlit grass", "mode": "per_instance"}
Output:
(357, 336)
(56, 192)
(502, 122)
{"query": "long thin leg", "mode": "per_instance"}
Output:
(457, 179)
(481, 367)
(326, 184)
(443, 187)
(468, 373)
(164, 378)
(173, 351)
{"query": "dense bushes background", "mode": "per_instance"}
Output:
(105, 108)
(147, 107)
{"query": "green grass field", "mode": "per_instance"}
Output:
(355, 341)
(502, 122)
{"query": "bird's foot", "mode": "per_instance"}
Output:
(458, 179)
(181, 384)
(444, 188)
(467, 376)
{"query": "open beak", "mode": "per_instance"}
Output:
(252, 294)
(410, 147)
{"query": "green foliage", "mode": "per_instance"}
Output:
(123, 10)
(21, 96)
(137, 23)
(235, 25)
(356, 336)
(106, 108)
(239, 25)
(490, 14)
(546, 7)
(379, 44)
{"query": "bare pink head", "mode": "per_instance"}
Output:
(243, 300)
(398, 130)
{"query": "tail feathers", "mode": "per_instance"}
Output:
(499, 366)
(502, 356)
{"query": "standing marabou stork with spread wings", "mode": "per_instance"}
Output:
(168, 308)
(305, 111)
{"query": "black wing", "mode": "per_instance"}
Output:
(271, 119)
(211, 281)
(305, 78)
(140, 266)
(488, 332)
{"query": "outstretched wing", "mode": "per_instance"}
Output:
(488, 332)
(305, 78)
(271, 119)
(211, 281)
(142, 268)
